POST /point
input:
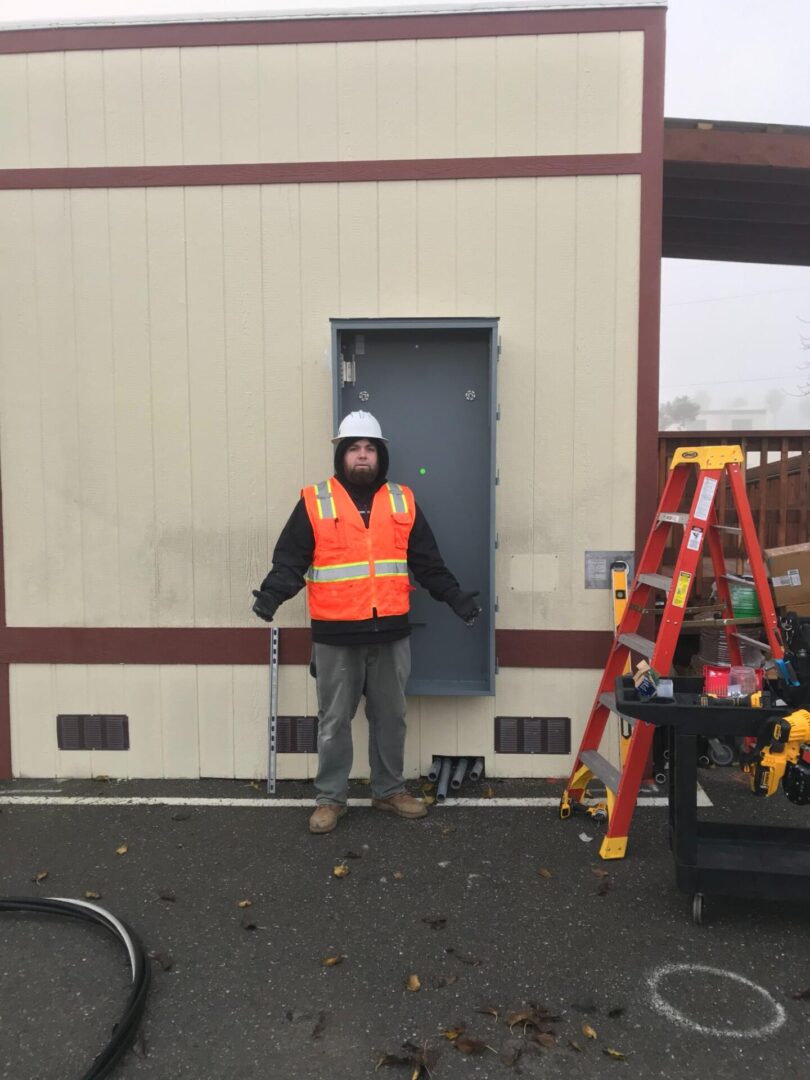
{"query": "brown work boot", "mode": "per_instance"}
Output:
(403, 804)
(325, 817)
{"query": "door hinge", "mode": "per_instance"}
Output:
(348, 373)
(496, 541)
(497, 477)
(498, 412)
(496, 604)
(499, 348)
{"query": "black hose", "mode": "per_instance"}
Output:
(126, 1029)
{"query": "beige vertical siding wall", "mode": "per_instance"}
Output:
(166, 370)
(470, 97)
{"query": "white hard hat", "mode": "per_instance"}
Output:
(359, 425)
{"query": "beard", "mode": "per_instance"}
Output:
(361, 477)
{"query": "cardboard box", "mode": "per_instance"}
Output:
(789, 570)
(802, 610)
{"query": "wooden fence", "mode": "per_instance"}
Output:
(777, 480)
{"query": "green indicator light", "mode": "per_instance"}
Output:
(422, 472)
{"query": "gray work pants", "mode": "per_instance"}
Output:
(341, 671)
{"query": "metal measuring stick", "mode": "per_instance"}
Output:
(272, 722)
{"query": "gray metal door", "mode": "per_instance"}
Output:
(431, 386)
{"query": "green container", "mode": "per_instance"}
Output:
(744, 602)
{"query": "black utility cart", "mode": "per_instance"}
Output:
(714, 858)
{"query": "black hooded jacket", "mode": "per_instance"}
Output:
(295, 548)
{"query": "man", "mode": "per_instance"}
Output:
(353, 539)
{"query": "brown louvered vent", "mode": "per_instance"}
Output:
(297, 735)
(532, 735)
(78, 731)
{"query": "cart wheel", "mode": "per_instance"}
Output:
(697, 909)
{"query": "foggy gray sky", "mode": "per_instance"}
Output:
(730, 333)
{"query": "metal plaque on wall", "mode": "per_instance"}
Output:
(598, 563)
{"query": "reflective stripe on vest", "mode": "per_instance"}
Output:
(326, 503)
(390, 568)
(340, 572)
(399, 504)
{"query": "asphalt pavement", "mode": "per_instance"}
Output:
(482, 941)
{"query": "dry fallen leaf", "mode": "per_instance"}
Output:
(333, 961)
(353, 855)
(122, 849)
(254, 785)
(427, 788)
(102, 778)
(413, 984)
(545, 872)
(341, 870)
(398, 875)
(167, 894)
(244, 903)
(164, 959)
(489, 792)
(139, 1045)
(617, 1054)
(465, 1045)
(91, 894)
(428, 800)
(181, 815)
(446, 830)
(597, 872)
(445, 980)
(588, 1031)
(490, 1010)
(544, 1038)
(575, 1046)
(465, 958)
(453, 1033)
(40, 877)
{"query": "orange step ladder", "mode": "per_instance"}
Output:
(715, 464)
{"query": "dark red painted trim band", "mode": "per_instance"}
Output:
(242, 645)
(649, 299)
(308, 31)
(777, 149)
(320, 172)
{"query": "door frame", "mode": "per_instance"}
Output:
(491, 325)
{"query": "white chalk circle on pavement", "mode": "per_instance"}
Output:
(661, 1005)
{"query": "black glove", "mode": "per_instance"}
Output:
(465, 605)
(265, 605)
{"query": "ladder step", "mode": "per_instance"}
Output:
(658, 581)
(608, 699)
(730, 529)
(601, 768)
(672, 519)
(738, 580)
(638, 644)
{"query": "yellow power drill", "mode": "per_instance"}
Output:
(783, 754)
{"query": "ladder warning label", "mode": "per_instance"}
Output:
(706, 498)
(681, 589)
(695, 539)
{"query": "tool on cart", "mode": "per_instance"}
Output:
(782, 753)
(716, 465)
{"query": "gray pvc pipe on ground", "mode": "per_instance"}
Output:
(476, 769)
(433, 771)
(444, 779)
(457, 778)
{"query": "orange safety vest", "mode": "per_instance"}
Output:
(355, 569)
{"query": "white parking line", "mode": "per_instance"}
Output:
(282, 804)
